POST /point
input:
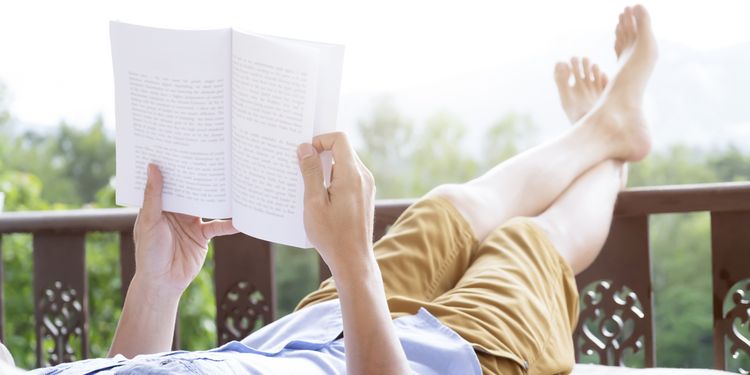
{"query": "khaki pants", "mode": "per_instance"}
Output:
(513, 297)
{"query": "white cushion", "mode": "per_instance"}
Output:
(588, 369)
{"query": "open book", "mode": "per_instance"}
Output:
(221, 112)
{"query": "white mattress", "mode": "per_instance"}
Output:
(612, 370)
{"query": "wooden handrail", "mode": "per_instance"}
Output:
(716, 197)
(83, 220)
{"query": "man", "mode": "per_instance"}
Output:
(474, 277)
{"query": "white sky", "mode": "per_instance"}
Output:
(55, 58)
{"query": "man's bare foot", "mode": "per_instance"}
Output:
(577, 100)
(620, 108)
(588, 84)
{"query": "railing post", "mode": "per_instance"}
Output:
(385, 215)
(323, 271)
(60, 296)
(620, 283)
(244, 286)
(127, 261)
(730, 268)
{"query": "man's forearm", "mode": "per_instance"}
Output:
(371, 343)
(147, 321)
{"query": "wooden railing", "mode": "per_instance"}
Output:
(616, 293)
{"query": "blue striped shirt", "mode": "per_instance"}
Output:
(304, 342)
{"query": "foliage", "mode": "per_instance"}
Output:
(71, 167)
(408, 163)
(72, 164)
(388, 136)
(507, 137)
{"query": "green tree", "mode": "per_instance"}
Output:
(730, 165)
(439, 157)
(387, 136)
(507, 137)
(408, 161)
(73, 164)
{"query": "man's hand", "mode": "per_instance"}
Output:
(170, 248)
(339, 219)
(169, 251)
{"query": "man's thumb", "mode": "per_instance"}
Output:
(152, 199)
(312, 171)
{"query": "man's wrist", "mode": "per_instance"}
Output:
(152, 294)
(356, 270)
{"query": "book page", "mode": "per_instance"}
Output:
(172, 107)
(331, 61)
(274, 89)
(330, 66)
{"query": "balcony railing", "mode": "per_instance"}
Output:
(617, 313)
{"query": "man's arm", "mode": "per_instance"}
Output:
(169, 251)
(339, 222)
(147, 321)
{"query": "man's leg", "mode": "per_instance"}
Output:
(528, 183)
(517, 301)
(589, 201)
(578, 222)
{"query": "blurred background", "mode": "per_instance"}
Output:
(432, 92)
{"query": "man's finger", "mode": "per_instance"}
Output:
(338, 144)
(215, 228)
(311, 169)
(152, 194)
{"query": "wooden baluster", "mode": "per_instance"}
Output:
(730, 242)
(625, 263)
(385, 215)
(244, 286)
(323, 271)
(60, 296)
(127, 262)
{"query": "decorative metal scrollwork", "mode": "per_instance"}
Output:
(611, 321)
(736, 325)
(243, 307)
(62, 322)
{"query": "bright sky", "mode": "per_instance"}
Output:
(55, 57)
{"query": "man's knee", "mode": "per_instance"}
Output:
(578, 251)
(464, 200)
(559, 235)
(454, 193)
